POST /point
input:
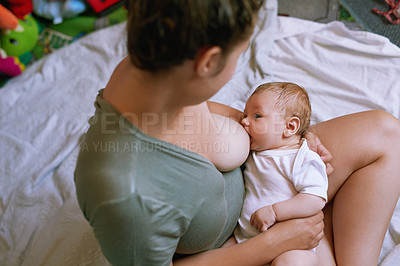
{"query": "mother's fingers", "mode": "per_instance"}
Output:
(329, 169)
(318, 238)
(317, 218)
(324, 153)
(315, 145)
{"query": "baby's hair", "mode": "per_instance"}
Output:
(292, 99)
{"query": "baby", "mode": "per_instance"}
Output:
(283, 178)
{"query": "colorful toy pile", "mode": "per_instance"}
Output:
(19, 36)
(33, 28)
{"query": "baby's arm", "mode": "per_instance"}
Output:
(301, 205)
(310, 180)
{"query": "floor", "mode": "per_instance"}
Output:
(323, 11)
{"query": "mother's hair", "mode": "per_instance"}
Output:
(165, 33)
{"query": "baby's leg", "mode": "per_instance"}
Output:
(326, 256)
(325, 253)
(296, 258)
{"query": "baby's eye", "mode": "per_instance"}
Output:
(257, 116)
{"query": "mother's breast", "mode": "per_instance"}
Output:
(231, 143)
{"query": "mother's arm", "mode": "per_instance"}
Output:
(284, 236)
(224, 110)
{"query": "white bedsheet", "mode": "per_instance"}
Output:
(344, 72)
(44, 112)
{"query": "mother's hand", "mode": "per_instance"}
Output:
(315, 145)
(302, 233)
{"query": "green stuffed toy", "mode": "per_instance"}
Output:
(16, 44)
(56, 36)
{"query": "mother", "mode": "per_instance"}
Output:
(155, 188)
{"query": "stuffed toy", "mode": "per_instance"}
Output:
(8, 20)
(105, 7)
(17, 43)
(56, 36)
(20, 8)
(57, 10)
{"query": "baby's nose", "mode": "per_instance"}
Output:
(244, 122)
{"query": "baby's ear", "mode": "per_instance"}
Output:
(292, 126)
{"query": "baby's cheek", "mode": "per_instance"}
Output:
(260, 129)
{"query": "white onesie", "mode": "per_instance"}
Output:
(277, 175)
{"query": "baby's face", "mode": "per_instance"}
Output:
(263, 121)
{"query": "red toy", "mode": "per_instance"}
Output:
(103, 7)
(20, 8)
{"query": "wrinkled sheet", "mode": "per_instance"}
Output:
(44, 112)
(344, 72)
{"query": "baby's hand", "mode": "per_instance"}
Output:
(263, 218)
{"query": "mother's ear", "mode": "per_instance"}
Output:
(208, 61)
(292, 126)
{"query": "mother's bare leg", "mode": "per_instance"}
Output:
(366, 182)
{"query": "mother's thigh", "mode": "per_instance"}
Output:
(355, 141)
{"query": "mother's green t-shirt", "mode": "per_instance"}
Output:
(147, 199)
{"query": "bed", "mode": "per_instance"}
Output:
(44, 112)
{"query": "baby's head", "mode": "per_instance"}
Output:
(276, 114)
